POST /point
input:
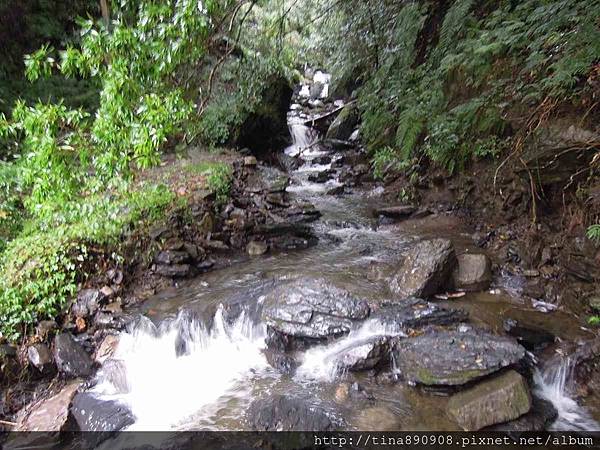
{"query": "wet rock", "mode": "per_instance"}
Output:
(531, 338)
(292, 243)
(107, 348)
(451, 358)
(207, 224)
(303, 212)
(40, 357)
(250, 161)
(322, 160)
(396, 212)
(320, 177)
(50, 414)
(344, 124)
(9, 365)
(88, 302)
(283, 362)
(46, 328)
(287, 413)
(365, 355)
(312, 309)
(425, 269)
(539, 417)
(93, 414)
(340, 190)
(377, 418)
(172, 257)
(277, 199)
(498, 400)
(205, 265)
(257, 248)
(415, 313)
(174, 271)
(316, 89)
(474, 272)
(71, 359)
(217, 246)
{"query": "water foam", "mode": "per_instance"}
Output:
(162, 387)
(325, 362)
(553, 384)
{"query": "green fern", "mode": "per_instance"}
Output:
(411, 126)
(593, 233)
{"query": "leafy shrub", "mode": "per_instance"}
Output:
(219, 181)
(40, 268)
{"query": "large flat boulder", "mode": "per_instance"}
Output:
(50, 414)
(452, 358)
(312, 309)
(473, 273)
(498, 400)
(287, 413)
(425, 269)
(539, 418)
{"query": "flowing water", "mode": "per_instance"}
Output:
(195, 361)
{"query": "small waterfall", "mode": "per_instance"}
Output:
(553, 383)
(327, 362)
(302, 138)
(181, 369)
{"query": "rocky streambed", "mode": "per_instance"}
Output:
(340, 312)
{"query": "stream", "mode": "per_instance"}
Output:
(195, 358)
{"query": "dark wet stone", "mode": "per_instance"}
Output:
(71, 359)
(171, 257)
(396, 212)
(88, 302)
(497, 400)
(281, 361)
(303, 212)
(174, 271)
(287, 413)
(343, 126)
(322, 160)
(293, 242)
(93, 414)
(440, 357)
(340, 190)
(321, 177)
(46, 328)
(425, 269)
(40, 357)
(417, 313)
(531, 338)
(539, 417)
(205, 265)
(473, 273)
(9, 365)
(312, 309)
(257, 248)
(217, 246)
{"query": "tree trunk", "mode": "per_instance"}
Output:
(105, 12)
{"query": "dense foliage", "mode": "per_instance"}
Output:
(68, 182)
(447, 79)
